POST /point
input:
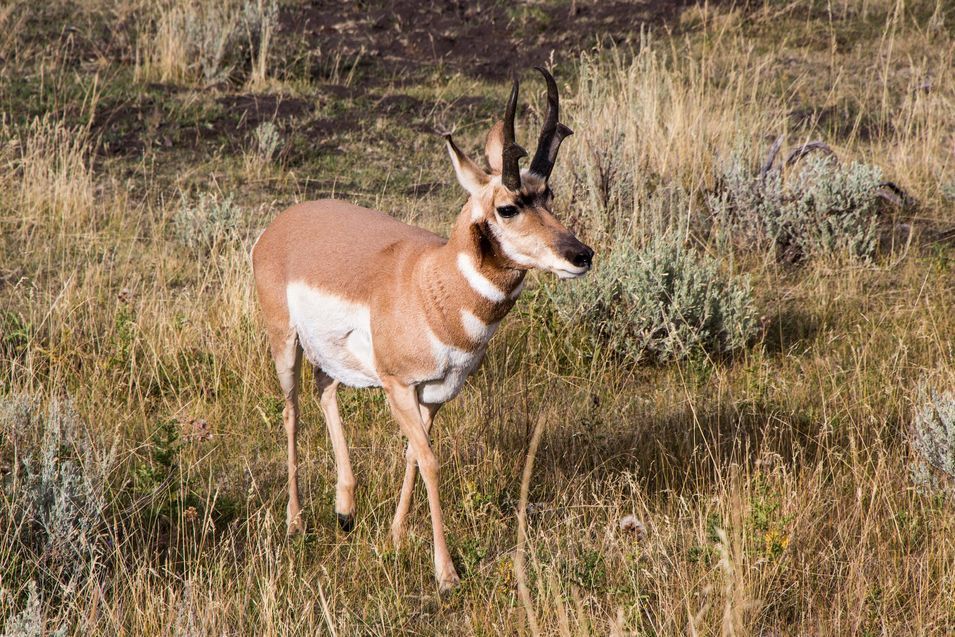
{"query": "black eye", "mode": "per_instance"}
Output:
(508, 211)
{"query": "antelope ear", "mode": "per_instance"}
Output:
(471, 177)
(494, 148)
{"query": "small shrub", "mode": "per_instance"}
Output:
(948, 191)
(15, 335)
(932, 436)
(187, 622)
(825, 209)
(207, 222)
(590, 570)
(156, 476)
(56, 495)
(746, 207)
(261, 20)
(833, 209)
(29, 621)
(201, 41)
(266, 142)
(189, 42)
(664, 302)
(211, 35)
(471, 553)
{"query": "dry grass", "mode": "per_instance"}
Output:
(774, 488)
(199, 42)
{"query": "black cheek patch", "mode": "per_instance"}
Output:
(484, 238)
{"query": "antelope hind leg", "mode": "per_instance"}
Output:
(345, 482)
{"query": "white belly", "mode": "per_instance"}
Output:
(335, 334)
(453, 366)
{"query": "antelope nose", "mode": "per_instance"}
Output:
(583, 258)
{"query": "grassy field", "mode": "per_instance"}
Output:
(144, 145)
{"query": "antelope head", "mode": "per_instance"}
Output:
(512, 207)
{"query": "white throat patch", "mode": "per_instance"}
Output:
(452, 368)
(478, 282)
(476, 329)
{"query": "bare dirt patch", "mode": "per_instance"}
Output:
(359, 56)
(400, 39)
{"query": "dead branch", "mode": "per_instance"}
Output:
(799, 152)
(771, 157)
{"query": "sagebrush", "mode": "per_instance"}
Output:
(208, 221)
(30, 620)
(663, 302)
(55, 496)
(932, 436)
(820, 209)
(202, 42)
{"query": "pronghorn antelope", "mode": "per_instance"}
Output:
(375, 302)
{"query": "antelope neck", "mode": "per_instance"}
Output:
(468, 287)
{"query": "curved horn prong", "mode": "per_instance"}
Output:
(552, 132)
(512, 152)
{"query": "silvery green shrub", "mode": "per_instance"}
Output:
(832, 208)
(932, 436)
(29, 621)
(662, 302)
(55, 495)
(206, 222)
(208, 34)
(259, 16)
(211, 32)
(747, 207)
(824, 209)
(267, 141)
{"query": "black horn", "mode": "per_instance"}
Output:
(512, 153)
(552, 133)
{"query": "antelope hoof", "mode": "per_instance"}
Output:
(296, 524)
(397, 536)
(345, 522)
(448, 581)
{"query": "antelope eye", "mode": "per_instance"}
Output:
(508, 211)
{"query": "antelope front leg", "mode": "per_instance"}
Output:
(411, 472)
(404, 404)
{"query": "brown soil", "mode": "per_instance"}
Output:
(379, 45)
(491, 40)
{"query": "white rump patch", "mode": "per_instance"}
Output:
(335, 334)
(478, 282)
(476, 329)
